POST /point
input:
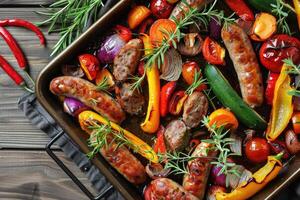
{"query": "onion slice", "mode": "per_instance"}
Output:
(236, 146)
(171, 68)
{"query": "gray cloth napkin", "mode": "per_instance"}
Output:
(41, 119)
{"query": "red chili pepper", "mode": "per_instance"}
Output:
(213, 52)
(160, 146)
(124, 32)
(13, 45)
(13, 74)
(241, 9)
(176, 102)
(272, 78)
(165, 95)
(25, 24)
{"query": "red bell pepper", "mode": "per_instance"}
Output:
(213, 52)
(165, 95)
(160, 146)
(177, 101)
(124, 32)
(241, 9)
(272, 78)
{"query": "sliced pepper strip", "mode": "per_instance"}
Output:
(152, 120)
(144, 149)
(297, 9)
(282, 105)
(258, 180)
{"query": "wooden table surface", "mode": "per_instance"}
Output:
(26, 171)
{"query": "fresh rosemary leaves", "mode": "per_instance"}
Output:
(294, 70)
(198, 80)
(103, 85)
(71, 16)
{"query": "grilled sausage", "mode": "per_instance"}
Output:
(195, 182)
(176, 135)
(126, 61)
(131, 101)
(194, 108)
(184, 5)
(86, 92)
(245, 64)
(166, 189)
(124, 162)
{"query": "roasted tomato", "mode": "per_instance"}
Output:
(105, 77)
(90, 65)
(278, 48)
(161, 8)
(296, 122)
(257, 150)
(124, 32)
(213, 52)
(189, 68)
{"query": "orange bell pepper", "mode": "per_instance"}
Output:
(282, 105)
(143, 148)
(258, 180)
(137, 15)
(223, 117)
(152, 120)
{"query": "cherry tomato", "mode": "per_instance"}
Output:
(90, 65)
(278, 48)
(257, 150)
(124, 32)
(213, 52)
(296, 122)
(161, 8)
(189, 68)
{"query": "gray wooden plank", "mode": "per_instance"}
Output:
(15, 130)
(25, 2)
(34, 175)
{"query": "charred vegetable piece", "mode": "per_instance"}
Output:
(124, 32)
(257, 182)
(90, 65)
(241, 9)
(106, 79)
(73, 106)
(176, 135)
(292, 142)
(223, 117)
(172, 66)
(189, 71)
(160, 146)
(161, 8)
(144, 149)
(137, 15)
(165, 96)
(191, 45)
(152, 120)
(159, 29)
(257, 150)
(264, 27)
(213, 52)
(177, 102)
(230, 99)
(282, 106)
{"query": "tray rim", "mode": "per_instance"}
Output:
(105, 171)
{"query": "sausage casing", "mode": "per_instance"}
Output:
(86, 92)
(195, 182)
(245, 64)
(166, 189)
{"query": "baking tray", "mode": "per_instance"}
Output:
(68, 124)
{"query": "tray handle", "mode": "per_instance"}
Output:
(70, 174)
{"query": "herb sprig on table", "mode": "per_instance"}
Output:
(69, 18)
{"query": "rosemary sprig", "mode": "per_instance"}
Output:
(71, 17)
(221, 144)
(137, 82)
(279, 9)
(294, 70)
(198, 80)
(103, 85)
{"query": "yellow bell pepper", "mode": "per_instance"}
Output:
(152, 120)
(297, 9)
(282, 105)
(144, 149)
(258, 180)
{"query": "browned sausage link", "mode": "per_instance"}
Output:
(245, 64)
(166, 189)
(124, 162)
(126, 61)
(195, 182)
(86, 92)
(194, 109)
(184, 5)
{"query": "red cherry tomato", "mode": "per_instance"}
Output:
(189, 68)
(213, 52)
(257, 150)
(90, 65)
(124, 32)
(278, 48)
(161, 8)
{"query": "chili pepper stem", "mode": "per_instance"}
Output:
(29, 78)
(279, 156)
(24, 86)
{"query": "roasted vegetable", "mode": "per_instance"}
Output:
(152, 120)
(296, 122)
(292, 142)
(161, 8)
(136, 143)
(159, 29)
(257, 150)
(165, 96)
(191, 45)
(137, 15)
(271, 82)
(264, 27)
(229, 98)
(213, 52)
(90, 65)
(282, 106)
(258, 181)
(241, 9)
(73, 106)
(223, 117)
